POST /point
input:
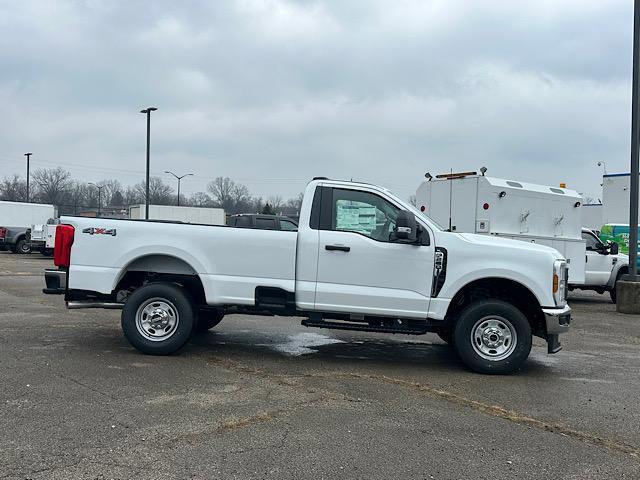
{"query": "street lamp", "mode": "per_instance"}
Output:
(148, 111)
(603, 164)
(99, 187)
(28, 155)
(179, 178)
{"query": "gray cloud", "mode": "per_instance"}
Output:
(272, 92)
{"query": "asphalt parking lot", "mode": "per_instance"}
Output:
(263, 397)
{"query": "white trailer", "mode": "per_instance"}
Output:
(16, 218)
(201, 215)
(471, 203)
(592, 216)
(616, 198)
(20, 214)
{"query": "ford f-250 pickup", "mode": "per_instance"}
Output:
(362, 259)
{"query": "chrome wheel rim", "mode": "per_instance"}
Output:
(157, 319)
(494, 338)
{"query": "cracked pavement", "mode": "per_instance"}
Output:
(263, 397)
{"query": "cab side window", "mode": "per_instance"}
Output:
(364, 213)
(593, 243)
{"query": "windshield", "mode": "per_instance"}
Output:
(415, 211)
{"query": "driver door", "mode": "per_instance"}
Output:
(360, 268)
(599, 262)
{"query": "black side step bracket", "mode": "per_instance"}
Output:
(405, 327)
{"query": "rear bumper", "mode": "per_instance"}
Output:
(56, 281)
(557, 319)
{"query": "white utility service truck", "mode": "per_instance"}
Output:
(471, 203)
(361, 259)
(16, 218)
(552, 216)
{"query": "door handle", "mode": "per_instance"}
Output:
(341, 248)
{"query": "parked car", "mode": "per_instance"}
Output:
(261, 221)
(362, 259)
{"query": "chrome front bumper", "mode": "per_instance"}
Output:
(557, 319)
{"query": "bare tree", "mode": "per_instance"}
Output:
(132, 196)
(200, 199)
(295, 203)
(232, 197)
(276, 203)
(159, 192)
(13, 189)
(221, 190)
(52, 184)
(111, 186)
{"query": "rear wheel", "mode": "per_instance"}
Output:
(492, 336)
(23, 246)
(158, 318)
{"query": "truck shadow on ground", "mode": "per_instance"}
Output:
(365, 353)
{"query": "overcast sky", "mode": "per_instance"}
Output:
(274, 92)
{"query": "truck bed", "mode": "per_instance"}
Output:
(231, 262)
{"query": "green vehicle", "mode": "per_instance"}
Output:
(618, 233)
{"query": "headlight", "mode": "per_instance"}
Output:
(560, 276)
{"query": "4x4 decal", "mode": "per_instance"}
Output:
(100, 231)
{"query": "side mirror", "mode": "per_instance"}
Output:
(613, 248)
(406, 230)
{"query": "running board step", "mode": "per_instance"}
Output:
(397, 326)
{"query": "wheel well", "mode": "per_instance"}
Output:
(503, 289)
(156, 269)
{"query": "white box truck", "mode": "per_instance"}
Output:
(16, 219)
(471, 203)
(201, 215)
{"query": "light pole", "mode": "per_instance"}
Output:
(635, 139)
(148, 111)
(28, 155)
(179, 178)
(99, 187)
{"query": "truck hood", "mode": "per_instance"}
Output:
(492, 241)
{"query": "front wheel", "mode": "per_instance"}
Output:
(613, 292)
(158, 318)
(492, 336)
(207, 319)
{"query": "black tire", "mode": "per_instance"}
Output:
(497, 320)
(47, 252)
(23, 247)
(169, 301)
(446, 336)
(613, 292)
(207, 319)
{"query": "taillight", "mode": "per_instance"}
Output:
(62, 247)
(3, 232)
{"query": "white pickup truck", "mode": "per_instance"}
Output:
(362, 259)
